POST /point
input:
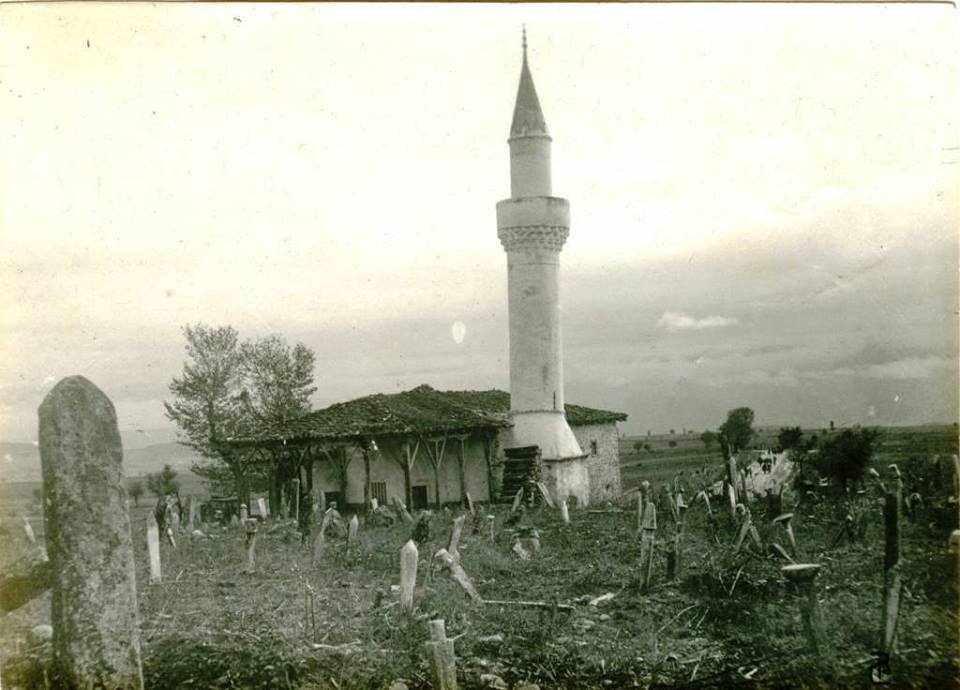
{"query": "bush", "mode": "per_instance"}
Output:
(845, 457)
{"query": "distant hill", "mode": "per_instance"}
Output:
(20, 462)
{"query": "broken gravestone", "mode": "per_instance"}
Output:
(96, 638)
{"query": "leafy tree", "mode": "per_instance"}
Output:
(846, 455)
(136, 491)
(277, 380)
(672, 443)
(277, 385)
(709, 438)
(735, 433)
(790, 437)
(637, 447)
(164, 482)
(229, 390)
(206, 404)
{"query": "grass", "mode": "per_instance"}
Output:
(210, 625)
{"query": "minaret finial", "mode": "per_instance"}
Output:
(524, 30)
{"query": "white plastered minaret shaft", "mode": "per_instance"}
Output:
(532, 226)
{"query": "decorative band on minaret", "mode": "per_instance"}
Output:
(533, 226)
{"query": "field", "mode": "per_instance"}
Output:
(726, 620)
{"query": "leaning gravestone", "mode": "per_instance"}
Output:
(96, 638)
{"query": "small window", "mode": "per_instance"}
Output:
(593, 447)
(378, 490)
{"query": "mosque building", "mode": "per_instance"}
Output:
(429, 447)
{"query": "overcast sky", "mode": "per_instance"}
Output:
(764, 200)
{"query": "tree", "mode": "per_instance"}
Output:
(672, 443)
(136, 491)
(735, 433)
(709, 438)
(206, 405)
(846, 455)
(637, 447)
(277, 384)
(790, 437)
(164, 482)
(230, 390)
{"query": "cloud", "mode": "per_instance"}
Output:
(678, 321)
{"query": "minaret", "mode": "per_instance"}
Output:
(532, 226)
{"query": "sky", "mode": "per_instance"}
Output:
(764, 201)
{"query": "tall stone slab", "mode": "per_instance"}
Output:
(96, 638)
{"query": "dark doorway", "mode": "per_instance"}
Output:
(419, 497)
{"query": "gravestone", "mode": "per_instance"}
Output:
(96, 637)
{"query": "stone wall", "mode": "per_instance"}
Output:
(603, 465)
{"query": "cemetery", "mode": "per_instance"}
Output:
(672, 585)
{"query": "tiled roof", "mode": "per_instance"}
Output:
(422, 410)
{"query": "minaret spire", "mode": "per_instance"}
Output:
(528, 117)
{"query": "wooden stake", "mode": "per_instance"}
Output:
(153, 548)
(492, 519)
(319, 542)
(802, 577)
(408, 575)
(546, 494)
(564, 511)
(353, 528)
(454, 543)
(447, 562)
(251, 544)
(192, 519)
(442, 659)
(28, 529)
(891, 567)
(296, 499)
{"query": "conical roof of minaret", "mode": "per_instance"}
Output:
(527, 116)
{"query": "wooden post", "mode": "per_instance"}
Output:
(491, 520)
(564, 511)
(452, 565)
(640, 499)
(442, 659)
(785, 520)
(251, 531)
(193, 505)
(648, 533)
(352, 531)
(454, 543)
(732, 476)
(28, 530)
(153, 548)
(470, 505)
(891, 566)
(319, 542)
(244, 514)
(802, 577)
(408, 575)
(296, 499)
